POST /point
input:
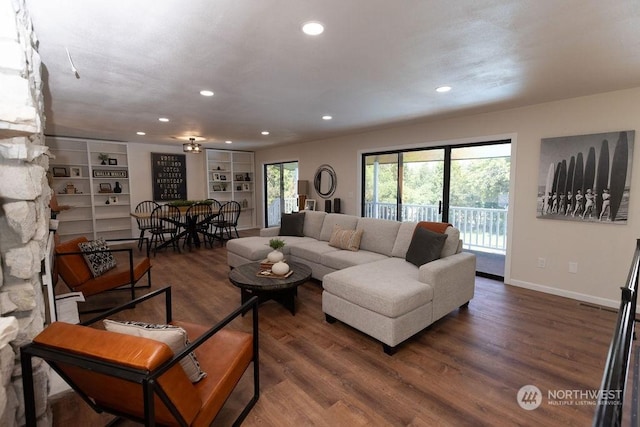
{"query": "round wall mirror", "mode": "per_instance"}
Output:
(325, 181)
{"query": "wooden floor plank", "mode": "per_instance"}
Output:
(466, 369)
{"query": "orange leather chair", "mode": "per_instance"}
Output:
(141, 379)
(72, 267)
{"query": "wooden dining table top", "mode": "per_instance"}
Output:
(147, 215)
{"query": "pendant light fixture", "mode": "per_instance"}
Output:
(192, 146)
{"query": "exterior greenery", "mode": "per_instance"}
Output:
(482, 183)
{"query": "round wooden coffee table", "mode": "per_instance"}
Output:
(283, 290)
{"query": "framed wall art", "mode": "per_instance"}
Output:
(586, 178)
(60, 171)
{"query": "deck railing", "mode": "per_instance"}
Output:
(480, 228)
(274, 212)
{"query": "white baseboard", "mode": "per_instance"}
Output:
(567, 294)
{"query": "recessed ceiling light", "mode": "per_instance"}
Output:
(228, 142)
(206, 92)
(327, 117)
(312, 28)
(141, 133)
(265, 132)
(443, 89)
(163, 119)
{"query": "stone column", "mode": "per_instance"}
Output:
(24, 211)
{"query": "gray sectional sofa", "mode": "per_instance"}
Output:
(373, 289)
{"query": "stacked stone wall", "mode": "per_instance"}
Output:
(24, 212)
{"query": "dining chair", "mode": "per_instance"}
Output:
(165, 227)
(144, 224)
(227, 221)
(198, 221)
(215, 205)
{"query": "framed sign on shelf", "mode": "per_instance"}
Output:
(100, 173)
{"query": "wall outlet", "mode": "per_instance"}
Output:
(573, 267)
(542, 262)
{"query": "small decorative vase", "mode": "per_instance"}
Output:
(275, 256)
(117, 188)
(103, 162)
(280, 268)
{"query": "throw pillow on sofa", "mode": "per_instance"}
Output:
(173, 336)
(345, 239)
(292, 224)
(425, 246)
(98, 262)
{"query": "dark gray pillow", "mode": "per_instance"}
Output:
(292, 224)
(425, 246)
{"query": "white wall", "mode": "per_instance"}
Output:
(603, 251)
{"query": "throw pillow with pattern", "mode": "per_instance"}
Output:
(345, 239)
(174, 336)
(96, 254)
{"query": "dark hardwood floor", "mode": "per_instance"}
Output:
(466, 369)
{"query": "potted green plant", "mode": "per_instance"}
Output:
(275, 255)
(104, 157)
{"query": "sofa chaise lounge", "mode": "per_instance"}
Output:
(373, 289)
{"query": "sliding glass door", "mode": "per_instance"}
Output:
(280, 191)
(467, 186)
(404, 186)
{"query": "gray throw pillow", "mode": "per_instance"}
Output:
(425, 246)
(292, 224)
(98, 262)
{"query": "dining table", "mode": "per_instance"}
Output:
(190, 227)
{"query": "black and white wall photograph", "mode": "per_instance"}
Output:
(586, 177)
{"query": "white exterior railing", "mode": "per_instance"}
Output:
(274, 212)
(480, 228)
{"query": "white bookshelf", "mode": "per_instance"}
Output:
(80, 181)
(231, 176)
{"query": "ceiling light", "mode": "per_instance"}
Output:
(163, 119)
(206, 92)
(443, 89)
(327, 117)
(192, 146)
(265, 132)
(228, 142)
(141, 133)
(312, 28)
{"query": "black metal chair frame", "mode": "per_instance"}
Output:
(147, 380)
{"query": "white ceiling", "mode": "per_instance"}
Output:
(377, 63)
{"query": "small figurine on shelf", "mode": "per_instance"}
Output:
(247, 177)
(103, 157)
(117, 188)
